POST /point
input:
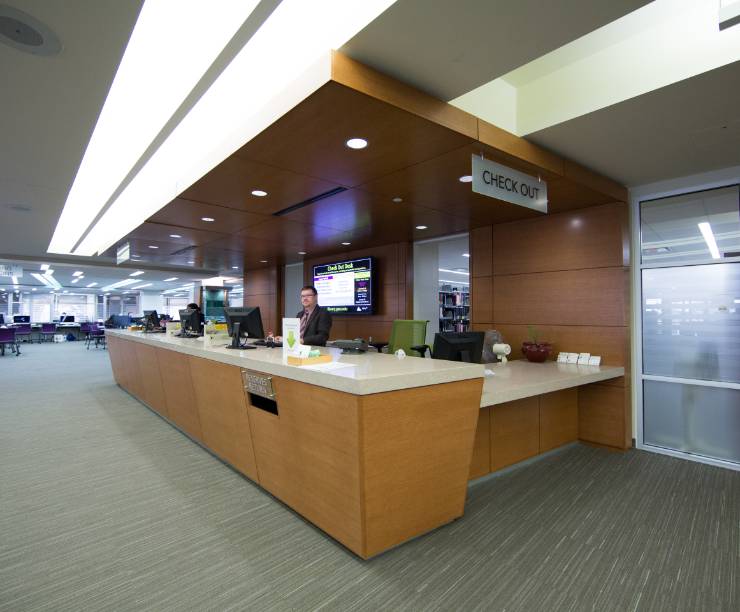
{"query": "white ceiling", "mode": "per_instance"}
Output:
(50, 104)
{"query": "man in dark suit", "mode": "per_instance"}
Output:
(315, 321)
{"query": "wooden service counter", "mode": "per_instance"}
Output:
(373, 452)
(531, 408)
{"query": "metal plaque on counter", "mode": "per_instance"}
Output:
(258, 383)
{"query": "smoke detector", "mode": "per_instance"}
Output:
(26, 33)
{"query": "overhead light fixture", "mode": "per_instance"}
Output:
(175, 236)
(466, 179)
(263, 261)
(15, 280)
(191, 262)
(356, 143)
(397, 200)
(78, 273)
(207, 219)
(123, 283)
(301, 252)
(346, 243)
(142, 286)
(74, 280)
(282, 63)
(47, 280)
(137, 273)
(151, 82)
(706, 231)
(453, 282)
(234, 267)
(453, 271)
(152, 246)
(169, 280)
(92, 284)
(259, 193)
(44, 267)
(466, 254)
(421, 227)
(33, 288)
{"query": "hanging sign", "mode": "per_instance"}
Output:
(123, 253)
(11, 270)
(503, 183)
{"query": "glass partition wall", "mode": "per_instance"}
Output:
(690, 322)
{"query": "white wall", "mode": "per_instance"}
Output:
(426, 286)
(293, 284)
(150, 300)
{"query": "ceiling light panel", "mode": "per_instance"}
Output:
(285, 61)
(172, 45)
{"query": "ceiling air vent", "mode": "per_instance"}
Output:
(321, 196)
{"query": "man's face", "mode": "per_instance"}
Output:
(308, 299)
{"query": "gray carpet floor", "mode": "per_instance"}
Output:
(104, 506)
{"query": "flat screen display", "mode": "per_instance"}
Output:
(346, 287)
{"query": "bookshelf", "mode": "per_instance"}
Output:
(454, 309)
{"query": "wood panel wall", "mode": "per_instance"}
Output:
(568, 276)
(263, 288)
(393, 294)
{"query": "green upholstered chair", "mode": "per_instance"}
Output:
(409, 335)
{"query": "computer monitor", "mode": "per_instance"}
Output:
(2, 319)
(458, 346)
(244, 322)
(21, 318)
(151, 320)
(67, 319)
(190, 324)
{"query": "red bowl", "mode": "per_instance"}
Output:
(536, 353)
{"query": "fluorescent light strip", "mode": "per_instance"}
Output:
(453, 271)
(453, 282)
(47, 280)
(92, 284)
(706, 231)
(171, 47)
(285, 61)
(44, 267)
(125, 282)
(167, 280)
(142, 286)
(137, 273)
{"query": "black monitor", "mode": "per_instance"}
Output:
(244, 322)
(190, 323)
(458, 346)
(151, 320)
(2, 319)
(21, 318)
(67, 319)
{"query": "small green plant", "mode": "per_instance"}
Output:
(534, 333)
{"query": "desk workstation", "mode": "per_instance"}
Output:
(372, 449)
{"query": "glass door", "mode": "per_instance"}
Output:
(690, 353)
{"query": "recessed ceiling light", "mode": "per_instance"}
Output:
(74, 280)
(207, 219)
(421, 227)
(175, 236)
(78, 273)
(153, 246)
(346, 243)
(357, 143)
(263, 261)
(33, 289)
(259, 193)
(92, 284)
(466, 179)
(234, 267)
(466, 254)
(168, 280)
(44, 267)
(301, 252)
(397, 200)
(137, 273)
(191, 262)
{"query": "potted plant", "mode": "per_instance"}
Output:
(534, 350)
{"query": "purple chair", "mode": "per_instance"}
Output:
(7, 337)
(85, 329)
(47, 332)
(23, 330)
(96, 335)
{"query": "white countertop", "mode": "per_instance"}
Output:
(519, 379)
(357, 374)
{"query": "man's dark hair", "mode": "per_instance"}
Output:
(193, 306)
(310, 288)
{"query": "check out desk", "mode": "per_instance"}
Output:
(371, 449)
